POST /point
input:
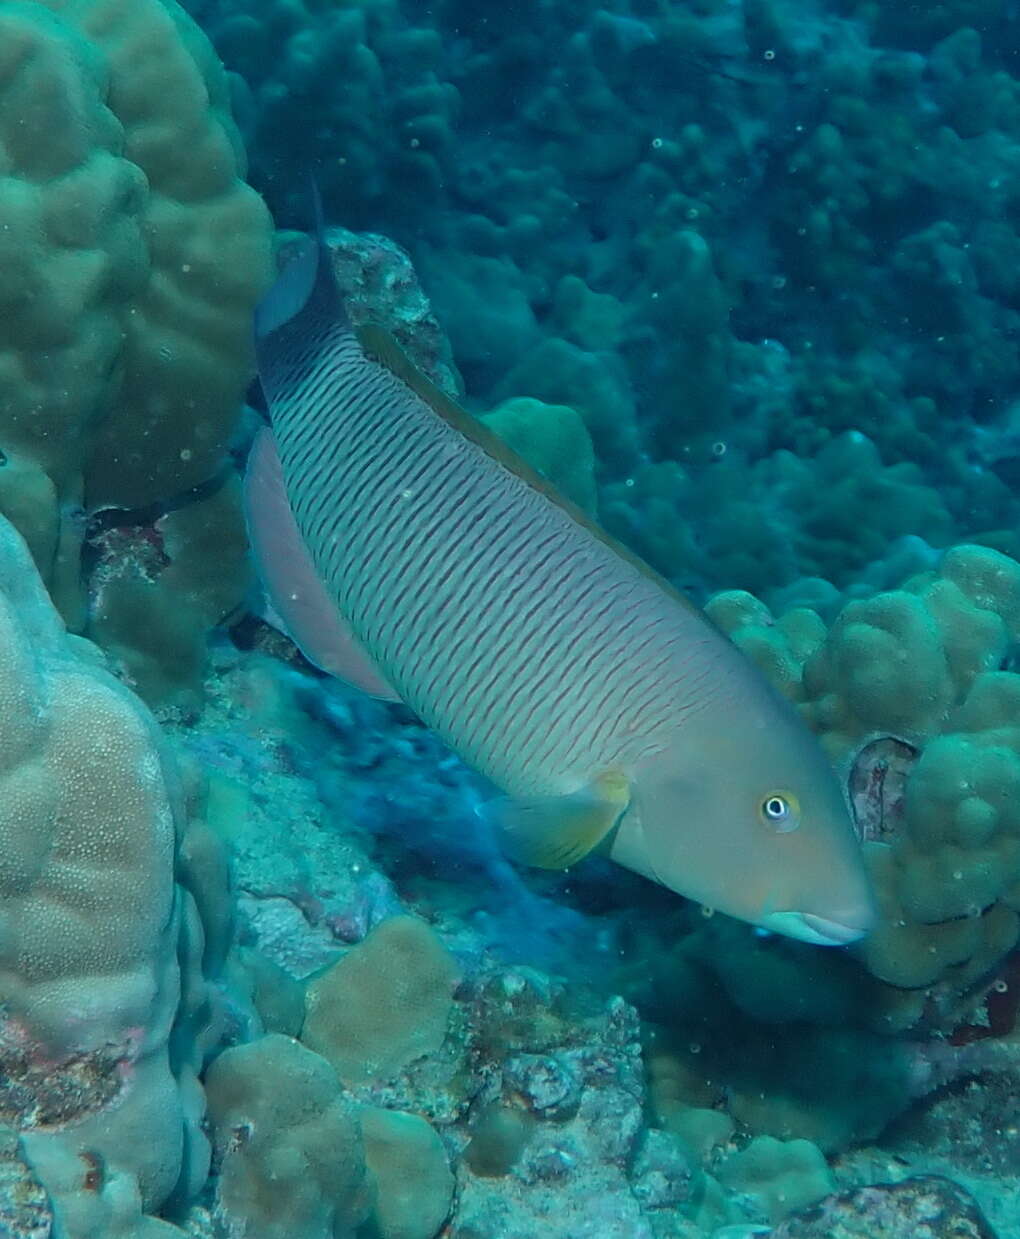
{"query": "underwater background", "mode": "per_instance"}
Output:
(741, 278)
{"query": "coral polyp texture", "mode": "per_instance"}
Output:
(133, 256)
(91, 927)
(291, 1149)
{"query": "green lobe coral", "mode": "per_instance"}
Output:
(133, 256)
(921, 664)
(554, 440)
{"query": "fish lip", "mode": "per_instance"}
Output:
(819, 930)
(838, 932)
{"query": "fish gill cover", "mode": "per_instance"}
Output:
(741, 281)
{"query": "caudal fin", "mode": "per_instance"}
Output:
(306, 291)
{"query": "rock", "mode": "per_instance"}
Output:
(923, 1207)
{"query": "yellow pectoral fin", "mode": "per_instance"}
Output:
(557, 831)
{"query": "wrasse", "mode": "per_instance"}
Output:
(409, 551)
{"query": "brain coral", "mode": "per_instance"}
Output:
(133, 255)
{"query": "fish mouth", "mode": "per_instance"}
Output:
(819, 930)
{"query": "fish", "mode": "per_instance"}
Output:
(402, 540)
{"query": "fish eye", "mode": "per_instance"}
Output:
(781, 811)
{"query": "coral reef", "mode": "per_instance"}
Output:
(291, 1158)
(745, 230)
(921, 664)
(759, 1056)
(740, 280)
(554, 440)
(104, 1006)
(133, 256)
(384, 1005)
(896, 1212)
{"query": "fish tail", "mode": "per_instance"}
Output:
(306, 291)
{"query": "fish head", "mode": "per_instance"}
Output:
(742, 812)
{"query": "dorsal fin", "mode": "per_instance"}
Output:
(378, 345)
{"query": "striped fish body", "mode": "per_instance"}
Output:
(542, 653)
(529, 645)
